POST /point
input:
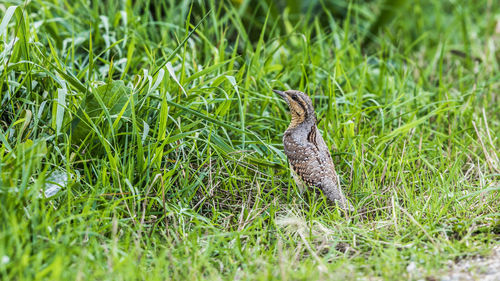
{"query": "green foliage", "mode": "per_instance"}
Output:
(19, 164)
(162, 118)
(110, 102)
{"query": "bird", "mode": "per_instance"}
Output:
(310, 161)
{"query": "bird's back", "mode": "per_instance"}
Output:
(310, 159)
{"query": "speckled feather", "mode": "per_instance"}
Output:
(307, 152)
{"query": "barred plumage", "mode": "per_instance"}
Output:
(307, 152)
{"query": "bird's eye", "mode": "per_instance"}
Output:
(295, 98)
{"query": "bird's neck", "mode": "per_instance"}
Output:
(299, 123)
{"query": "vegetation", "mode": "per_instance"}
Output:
(141, 140)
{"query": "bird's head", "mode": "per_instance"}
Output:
(300, 105)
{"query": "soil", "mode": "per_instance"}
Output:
(477, 268)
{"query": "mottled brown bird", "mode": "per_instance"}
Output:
(308, 155)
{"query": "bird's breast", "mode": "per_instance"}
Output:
(293, 142)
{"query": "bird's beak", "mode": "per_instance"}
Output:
(282, 94)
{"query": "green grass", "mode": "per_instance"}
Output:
(163, 121)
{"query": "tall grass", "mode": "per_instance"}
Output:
(158, 123)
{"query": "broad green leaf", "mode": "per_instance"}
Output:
(6, 18)
(61, 105)
(109, 103)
